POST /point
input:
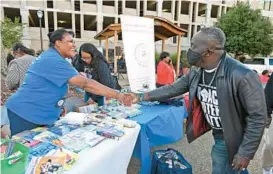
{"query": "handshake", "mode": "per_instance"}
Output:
(128, 99)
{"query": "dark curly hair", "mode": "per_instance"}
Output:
(164, 55)
(19, 47)
(94, 52)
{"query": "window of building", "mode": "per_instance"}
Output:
(64, 20)
(49, 4)
(12, 13)
(151, 5)
(167, 6)
(176, 10)
(174, 39)
(214, 11)
(33, 19)
(130, 4)
(267, 5)
(78, 25)
(193, 12)
(108, 3)
(77, 5)
(50, 19)
(120, 7)
(107, 21)
(228, 8)
(185, 5)
(90, 2)
(192, 30)
(141, 10)
(120, 34)
(202, 8)
(223, 11)
(198, 28)
(186, 27)
(90, 23)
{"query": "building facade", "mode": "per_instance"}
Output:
(87, 18)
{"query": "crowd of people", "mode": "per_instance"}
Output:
(224, 95)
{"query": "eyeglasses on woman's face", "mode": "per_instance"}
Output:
(86, 57)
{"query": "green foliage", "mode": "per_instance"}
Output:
(157, 59)
(11, 31)
(247, 31)
(174, 58)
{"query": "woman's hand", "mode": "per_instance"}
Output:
(64, 112)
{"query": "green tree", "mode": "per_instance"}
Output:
(247, 31)
(11, 32)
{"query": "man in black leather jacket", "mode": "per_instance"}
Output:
(225, 96)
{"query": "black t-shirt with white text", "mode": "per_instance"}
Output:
(207, 95)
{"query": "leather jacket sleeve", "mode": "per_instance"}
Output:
(252, 97)
(180, 86)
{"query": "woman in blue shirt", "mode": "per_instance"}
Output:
(40, 99)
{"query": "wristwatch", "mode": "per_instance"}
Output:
(140, 96)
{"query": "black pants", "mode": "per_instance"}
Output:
(158, 85)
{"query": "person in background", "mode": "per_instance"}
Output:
(267, 151)
(96, 67)
(19, 66)
(10, 57)
(224, 96)
(39, 52)
(39, 101)
(32, 52)
(165, 70)
(264, 77)
(121, 62)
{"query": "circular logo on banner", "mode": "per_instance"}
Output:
(141, 54)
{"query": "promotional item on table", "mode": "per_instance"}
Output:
(56, 148)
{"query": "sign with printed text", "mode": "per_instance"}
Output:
(139, 50)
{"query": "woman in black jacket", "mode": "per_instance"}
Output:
(92, 62)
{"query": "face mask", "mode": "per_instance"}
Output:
(193, 57)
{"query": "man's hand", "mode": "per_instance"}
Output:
(240, 163)
(268, 122)
(125, 99)
(135, 98)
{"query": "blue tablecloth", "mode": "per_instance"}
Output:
(160, 125)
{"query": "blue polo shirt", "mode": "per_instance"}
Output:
(39, 98)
